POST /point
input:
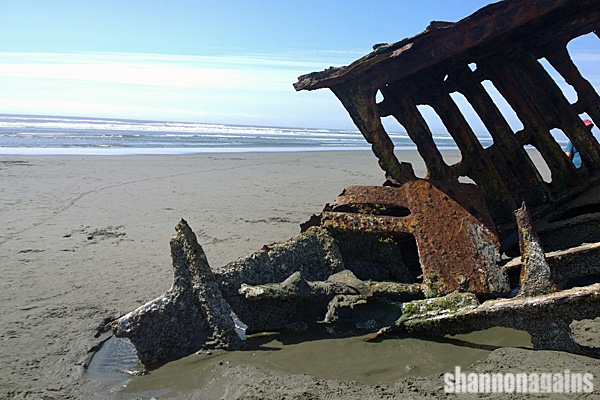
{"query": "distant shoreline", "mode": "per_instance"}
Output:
(132, 151)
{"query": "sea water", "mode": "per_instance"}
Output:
(30, 134)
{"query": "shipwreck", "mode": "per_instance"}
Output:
(431, 255)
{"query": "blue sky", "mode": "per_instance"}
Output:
(225, 62)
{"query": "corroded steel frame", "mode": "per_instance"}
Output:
(505, 40)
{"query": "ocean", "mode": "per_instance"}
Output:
(30, 134)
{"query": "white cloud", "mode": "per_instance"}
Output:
(229, 89)
(241, 73)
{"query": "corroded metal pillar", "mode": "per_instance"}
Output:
(399, 102)
(360, 103)
(550, 98)
(506, 154)
(587, 98)
(516, 88)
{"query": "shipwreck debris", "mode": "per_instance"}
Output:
(423, 256)
(342, 289)
(192, 313)
(450, 224)
(546, 318)
(538, 309)
(279, 287)
(178, 323)
(535, 271)
(566, 265)
(314, 254)
(341, 283)
(503, 42)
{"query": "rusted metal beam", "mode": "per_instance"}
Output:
(380, 224)
(546, 318)
(361, 105)
(588, 100)
(517, 89)
(478, 166)
(438, 44)
(550, 99)
(572, 23)
(506, 154)
(398, 102)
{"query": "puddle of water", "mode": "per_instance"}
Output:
(108, 366)
(315, 354)
(114, 356)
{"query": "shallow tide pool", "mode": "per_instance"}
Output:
(316, 354)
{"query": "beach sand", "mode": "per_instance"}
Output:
(86, 239)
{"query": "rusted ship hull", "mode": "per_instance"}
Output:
(426, 255)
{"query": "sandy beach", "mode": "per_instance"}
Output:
(85, 239)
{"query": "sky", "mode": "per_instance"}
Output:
(231, 62)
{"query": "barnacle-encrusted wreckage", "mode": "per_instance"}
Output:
(429, 255)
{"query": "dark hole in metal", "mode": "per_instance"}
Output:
(374, 209)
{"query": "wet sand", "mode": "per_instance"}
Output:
(86, 239)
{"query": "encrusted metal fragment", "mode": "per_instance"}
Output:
(546, 318)
(188, 315)
(341, 283)
(566, 265)
(439, 306)
(314, 254)
(535, 271)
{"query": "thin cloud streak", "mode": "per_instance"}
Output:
(242, 89)
(236, 72)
